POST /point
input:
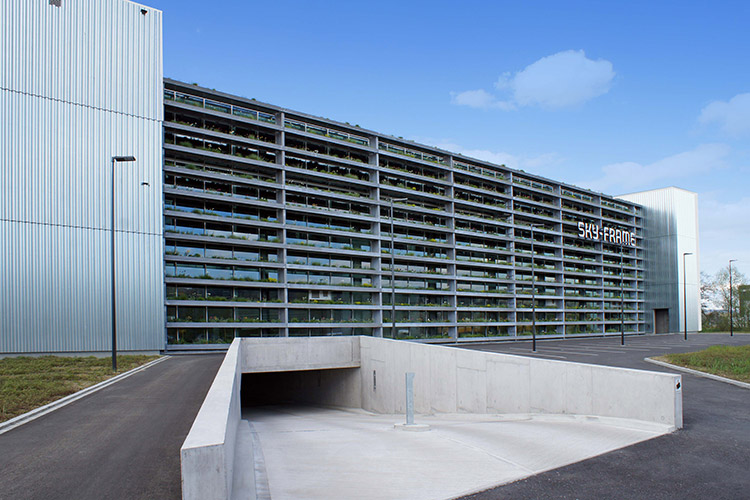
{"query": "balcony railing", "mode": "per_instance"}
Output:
(533, 184)
(222, 107)
(577, 196)
(327, 132)
(411, 153)
(479, 170)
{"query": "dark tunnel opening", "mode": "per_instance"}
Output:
(336, 387)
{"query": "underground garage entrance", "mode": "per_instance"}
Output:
(308, 418)
(298, 387)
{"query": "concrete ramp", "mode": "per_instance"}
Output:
(366, 375)
(323, 453)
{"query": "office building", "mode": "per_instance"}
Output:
(241, 218)
(279, 223)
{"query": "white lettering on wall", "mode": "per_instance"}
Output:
(591, 231)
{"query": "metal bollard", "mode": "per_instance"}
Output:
(410, 398)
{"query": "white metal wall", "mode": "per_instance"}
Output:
(671, 229)
(104, 54)
(80, 83)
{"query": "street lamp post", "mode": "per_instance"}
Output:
(684, 290)
(731, 317)
(393, 276)
(115, 159)
(533, 294)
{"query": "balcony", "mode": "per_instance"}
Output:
(484, 171)
(412, 153)
(326, 132)
(212, 105)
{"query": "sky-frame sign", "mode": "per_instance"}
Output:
(591, 231)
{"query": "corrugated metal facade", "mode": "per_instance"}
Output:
(100, 53)
(671, 229)
(80, 83)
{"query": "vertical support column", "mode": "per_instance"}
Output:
(512, 251)
(452, 272)
(533, 293)
(377, 259)
(563, 300)
(281, 213)
(392, 268)
(599, 246)
(560, 300)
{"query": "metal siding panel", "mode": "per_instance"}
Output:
(61, 174)
(84, 52)
(140, 292)
(671, 229)
(53, 286)
(80, 84)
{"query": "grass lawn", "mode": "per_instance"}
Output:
(30, 382)
(726, 361)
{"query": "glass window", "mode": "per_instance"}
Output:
(187, 336)
(218, 293)
(298, 315)
(222, 314)
(247, 294)
(248, 332)
(217, 252)
(248, 315)
(191, 314)
(189, 250)
(245, 254)
(220, 335)
(189, 270)
(190, 292)
(247, 273)
(219, 273)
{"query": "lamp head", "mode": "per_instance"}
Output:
(123, 158)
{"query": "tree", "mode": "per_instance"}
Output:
(710, 317)
(721, 283)
(708, 293)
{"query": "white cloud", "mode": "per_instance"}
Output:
(724, 233)
(561, 80)
(732, 116)
(480, 99)
(558, 81)
(630, 176)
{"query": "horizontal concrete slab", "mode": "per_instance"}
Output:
(293, 354)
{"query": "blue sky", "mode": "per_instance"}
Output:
(612, 96)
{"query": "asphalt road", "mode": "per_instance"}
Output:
(122, 442)
(708, 459)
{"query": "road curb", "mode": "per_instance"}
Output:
(54, 405)
(744, 385)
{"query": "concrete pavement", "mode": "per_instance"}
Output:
(708, 458)
(122, 442)
(321, 453)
